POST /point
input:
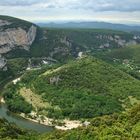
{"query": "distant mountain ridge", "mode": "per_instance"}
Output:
(93, 25)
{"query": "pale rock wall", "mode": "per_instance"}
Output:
(13, 37)
(2, 62)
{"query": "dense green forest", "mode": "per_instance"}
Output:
(64, 44)
(14, 101)
(126, 59)
(15, 67)
(124, 126)
(9, 131)
(83, 88)
(13, 97)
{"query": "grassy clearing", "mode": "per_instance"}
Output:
(34, 99)
(133, 100)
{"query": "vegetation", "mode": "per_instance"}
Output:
(9, 131)
(85, 88)
(15, 67)
(15, 23)
(11, 92)
(124, 126)
(127, 59)
(121, 126)
(14, 101)
(64, 44)
(117, 126)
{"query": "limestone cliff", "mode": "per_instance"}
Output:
(15, 37)
(2, 62)
(4, 22)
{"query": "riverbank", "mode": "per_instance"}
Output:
(37, 102)
(40, 119)
(63, 124)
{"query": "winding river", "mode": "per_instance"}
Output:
(21, 122)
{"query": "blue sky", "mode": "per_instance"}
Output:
(116, 11)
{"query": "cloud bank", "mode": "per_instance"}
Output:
(72, 9)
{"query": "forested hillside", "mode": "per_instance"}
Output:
(127, 59)
(84, 88)
(124, 126)
(84, 75)
(64, 44)
(9, 131)
(121, 126)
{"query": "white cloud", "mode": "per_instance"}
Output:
(109, 10)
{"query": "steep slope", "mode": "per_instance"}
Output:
(63, 44)
(16, 37)
(15, 33)
(83, 89)
(127, 59)
(130, 53)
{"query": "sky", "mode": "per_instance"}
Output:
(115, 11)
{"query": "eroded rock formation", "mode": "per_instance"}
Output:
(2, 62)
(14, 37)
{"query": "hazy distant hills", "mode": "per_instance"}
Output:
(93, 25)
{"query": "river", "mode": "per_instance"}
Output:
(21, 122)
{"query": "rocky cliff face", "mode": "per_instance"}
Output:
(15, 37)
(2, 62)
(12, 37)
(4, 22)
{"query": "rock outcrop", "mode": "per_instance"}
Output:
(4, 22)
(31, 35)
(16, 37)
(118, 40)
(13, 35)
(54, 80)
(2, 62)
